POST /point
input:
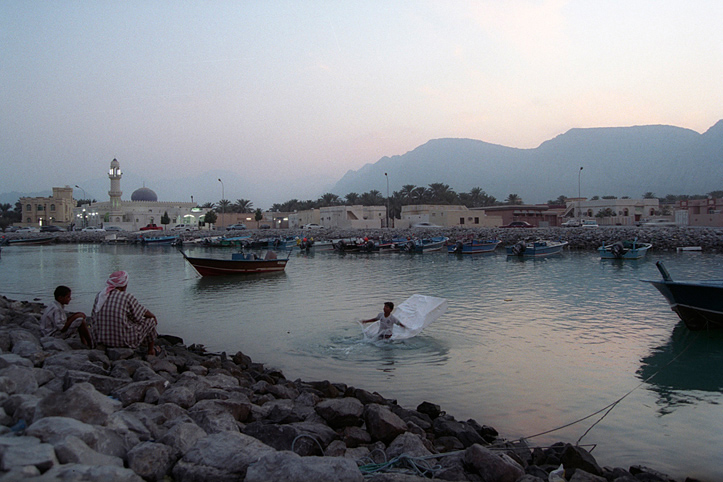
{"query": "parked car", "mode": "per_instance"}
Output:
(28, 229)
(571, 223)
(265, 226)
(152, 227)
(11, 229)
(589, 223)
(659, 223)
(182, 227)
(312, 226)
(235, 227)
(51, 229)
(113, 228)
(425, 225)
(518, 224)
(93, 229)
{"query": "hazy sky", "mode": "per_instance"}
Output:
(294, 94)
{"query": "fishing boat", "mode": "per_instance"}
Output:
(535, 249)
(624, 250)
(30, 241)
(355, 246)
(474, 246)
(239, 264)
(423, 245)
(698, 303)
(159, 240)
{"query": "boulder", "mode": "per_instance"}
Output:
(55, 429)
(182, 436)
(81, 402)
(575, 457)
(290, 467)
(492, 467)
(22, 451)
(341, 412)
(408, 444)
(72, 450)
(220, 457)
(22, 377)
(382, 424)
(81, 472)
(447, 426)
(103, 383)
(136, 391)
(151, 460)
(181, 396)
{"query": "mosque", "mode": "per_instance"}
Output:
(143, 209)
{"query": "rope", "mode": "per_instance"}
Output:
(608, 408)
(303, 435)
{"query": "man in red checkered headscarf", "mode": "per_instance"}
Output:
(119, 320)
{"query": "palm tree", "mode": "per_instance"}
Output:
(352, 198)
(407, 191)
(329, 199)
(243, 206)
(372, 198)
(513, 199)
(208, 205)
(440, 193)
(223, 206)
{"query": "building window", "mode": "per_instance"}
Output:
(28, 207)
(52, 207)
(476, 220)
(40, 207)
(461, 220)
(28, 220)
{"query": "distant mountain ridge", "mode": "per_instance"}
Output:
(619, 161)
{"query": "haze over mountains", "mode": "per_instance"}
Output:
(619, 161)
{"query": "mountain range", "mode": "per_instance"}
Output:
(617, 161)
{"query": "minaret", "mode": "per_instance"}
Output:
(115, 191)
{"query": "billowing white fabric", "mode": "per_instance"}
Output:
(415, 313)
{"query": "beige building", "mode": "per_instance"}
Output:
(447, 216)
(627, 211)
(55, 210)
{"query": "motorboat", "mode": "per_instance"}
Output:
(535, 249)
(624, 250)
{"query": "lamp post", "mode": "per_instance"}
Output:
(579, 173)
(84, 197)
(223, 197)
(387, 176)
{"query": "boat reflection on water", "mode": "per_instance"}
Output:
(688, 368)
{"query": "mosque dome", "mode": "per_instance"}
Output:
(144, 194)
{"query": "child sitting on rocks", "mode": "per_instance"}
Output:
(56, 322)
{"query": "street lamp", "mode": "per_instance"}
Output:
(81, 190)
(387, 176)
(223, 206)
(579, 173)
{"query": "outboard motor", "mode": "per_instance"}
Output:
(458, 247)
(410, 245)
(340, 246)
(618, 249)
(518, 248)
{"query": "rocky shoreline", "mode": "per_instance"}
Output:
(72, 413)
(663, 238)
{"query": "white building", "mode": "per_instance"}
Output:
(143, 208)
(626, 211)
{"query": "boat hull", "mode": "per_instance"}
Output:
(223, 267)
(698, 304)
(31, 241)
(538, 249)
(474, 247)
(624, 251)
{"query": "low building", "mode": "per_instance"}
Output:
(538, 215)
(353, 217)
(43, 211)
(700, 212)
(620, 212)
(447, 216)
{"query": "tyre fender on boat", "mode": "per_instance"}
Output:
(518, 248)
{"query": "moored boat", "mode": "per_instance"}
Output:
(698, 303)
(239, 264)
(30, 241)
(624, 250)
(423, 245)
(474, 246)
(159, 240)
(535, 249)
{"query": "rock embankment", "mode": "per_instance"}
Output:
(662, 238)
(71, 413)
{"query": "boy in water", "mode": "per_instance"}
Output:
(386, 321)
(56, 322)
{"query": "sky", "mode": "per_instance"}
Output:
(290, 95)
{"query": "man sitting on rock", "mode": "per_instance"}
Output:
(56, 322)
(119, 320)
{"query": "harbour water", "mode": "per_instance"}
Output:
(525, 346)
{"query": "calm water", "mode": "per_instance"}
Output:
(526, 346)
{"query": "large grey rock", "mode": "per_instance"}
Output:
(382, 424)
(21, 407)
(51, 343)
(151, 460)
(465, 433)
(181, 396)
(72, 450)
(341, 412)
(136, 391)
(220, 457)
(89, 473)
(492, 467)
(81, 402)
(22, 376)
(214, 419)
(55, 429)
(103, 383)
(22, 451)
(408, 444)
(578, 458)
(8, 359)
(290, 467)
(182, 436)
(77, 360)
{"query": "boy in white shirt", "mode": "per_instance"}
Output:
(56, 322)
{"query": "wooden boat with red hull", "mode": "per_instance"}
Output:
(239, 264)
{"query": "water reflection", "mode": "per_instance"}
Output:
(688, 363)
